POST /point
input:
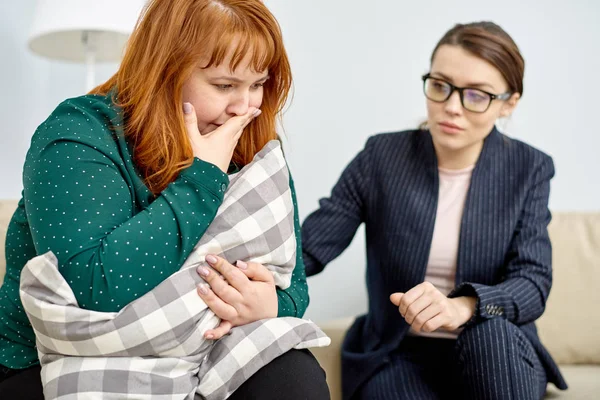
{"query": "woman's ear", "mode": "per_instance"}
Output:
(509, 105)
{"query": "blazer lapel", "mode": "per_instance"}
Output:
(483, 230)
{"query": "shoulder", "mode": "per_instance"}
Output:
(399, 149)
(526, 157)
(89, 120)
(395, 145)
(396, 139)
(91, 109)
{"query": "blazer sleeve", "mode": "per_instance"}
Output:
(522, 294)
(328, 231)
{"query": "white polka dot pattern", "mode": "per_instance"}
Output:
(83, 199)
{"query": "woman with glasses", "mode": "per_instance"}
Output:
(458, 255)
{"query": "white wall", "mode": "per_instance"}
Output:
(31, 87)
(357, 68)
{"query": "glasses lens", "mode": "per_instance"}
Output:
(436, 90)
(476, 100)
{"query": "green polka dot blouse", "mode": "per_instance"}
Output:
(84, 200)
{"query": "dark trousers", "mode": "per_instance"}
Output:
(489, 360)
(296, 375)
(22, 384)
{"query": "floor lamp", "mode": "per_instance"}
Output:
(83, 31)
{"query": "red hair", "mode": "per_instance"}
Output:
(169, 40)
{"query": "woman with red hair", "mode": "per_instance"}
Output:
(133, 174)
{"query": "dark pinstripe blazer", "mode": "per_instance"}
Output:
(504, 256)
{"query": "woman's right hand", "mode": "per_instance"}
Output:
(217, 146)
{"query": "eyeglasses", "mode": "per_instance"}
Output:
(474, 100)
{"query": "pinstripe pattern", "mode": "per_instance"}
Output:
(497, 361)
(504, 255)
(421, 368)
(490, 360)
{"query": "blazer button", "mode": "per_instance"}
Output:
(223, 187)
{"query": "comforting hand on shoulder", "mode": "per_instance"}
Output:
(237, 294)
(427, 309)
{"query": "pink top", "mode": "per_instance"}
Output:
(441, 267)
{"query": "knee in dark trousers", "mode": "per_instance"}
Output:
(497, 361)
(295, 375)
(25, 384)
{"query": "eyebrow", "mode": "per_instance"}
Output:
(237, 80)
(468, 85)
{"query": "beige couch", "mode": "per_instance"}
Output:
(570, 327)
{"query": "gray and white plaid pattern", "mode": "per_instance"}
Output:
(154, 347)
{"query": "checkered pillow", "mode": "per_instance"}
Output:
(154, 347)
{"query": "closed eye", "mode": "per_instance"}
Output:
(223, 86)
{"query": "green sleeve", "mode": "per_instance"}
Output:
(293, 301)
(83, 203)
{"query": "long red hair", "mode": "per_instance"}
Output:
(169, 40)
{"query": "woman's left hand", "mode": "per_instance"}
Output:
(237, 294)
(427, 309)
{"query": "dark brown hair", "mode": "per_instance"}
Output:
(491, 43)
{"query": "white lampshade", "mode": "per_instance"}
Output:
(87, 31)
(59, 25)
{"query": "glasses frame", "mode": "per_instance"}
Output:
(460, 90)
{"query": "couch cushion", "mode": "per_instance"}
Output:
(330, 357)
(582, 380)
(570, 326)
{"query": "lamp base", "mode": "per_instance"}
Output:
(89, 42)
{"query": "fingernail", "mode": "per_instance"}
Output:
(187, 108)
(210, 336)
(202, 288)
(211, 259)
(202, 271)
(257, 113)
(241, 265)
